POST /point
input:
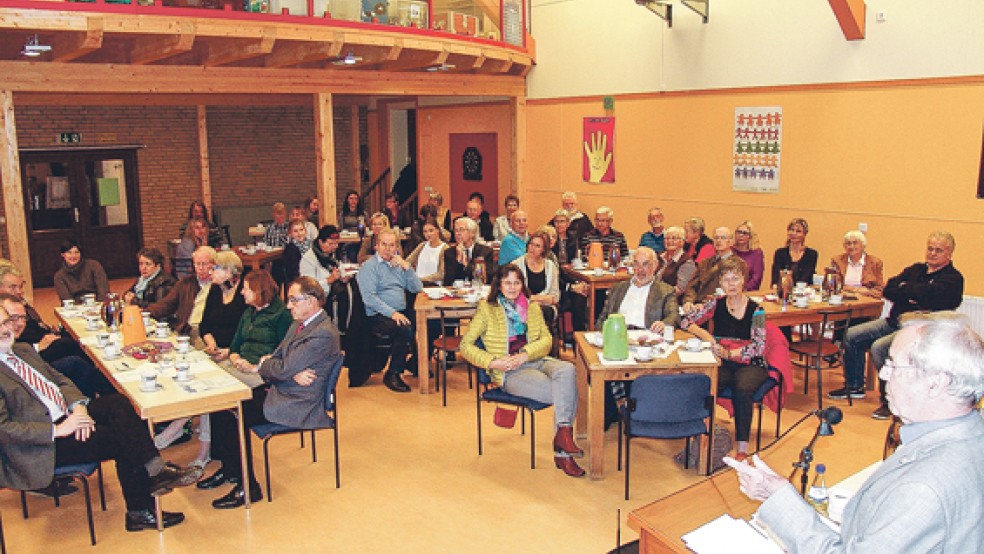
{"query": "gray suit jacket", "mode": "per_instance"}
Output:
(316, 347)
(661, 304)
(27, 448)
(924, 498)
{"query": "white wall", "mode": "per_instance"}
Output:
(592, 47)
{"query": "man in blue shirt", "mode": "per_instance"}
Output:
(384, 281)
(514, 245)
(654, 239)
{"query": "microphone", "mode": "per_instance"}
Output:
(829, 417)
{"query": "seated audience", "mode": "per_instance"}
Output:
(428, 258)
(708, 276)
(377, 223)
(184, 305)
(311, 209)
(654, 237)
(551, 233)
(861, 271)
(926, 496)
(747, 248)
(385, 279)
(930, 286)
(738, 343)
(200, 210)
(224, 305)
(263, 324)
(460, 261)
(78, 276)
(45, 422)
(352, 212)
(502, 223)
(565, 247)
(297, 214)
(293, 394)
(605, 234)
(698, 245)
(320, 262)
(474, 211)
(541, 275)
(153, 283)
(297, 246)
(443, 217)
(514, 245)
(509, 338)
(579, 223)
(795, 256)
(196, 235)
(676, 268)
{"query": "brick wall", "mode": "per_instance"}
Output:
(258, 155)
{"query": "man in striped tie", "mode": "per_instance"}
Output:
(46, 422)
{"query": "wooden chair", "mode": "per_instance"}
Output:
(824, 343)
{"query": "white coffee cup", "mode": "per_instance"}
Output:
(668, 333)
(644, 353)
(261, 245)
(182, 370)
(802, 301)
(471, 298)
(68, 304)
(694, 344)
(801, 285)
(459, 284)
(835, 300)
(598, 271)
(162, 331)
(225, 246)
(148, 380)
(93, 322)
(102, 339)
(90, 299)
(111, 350)
(183, 344)
(250, 250)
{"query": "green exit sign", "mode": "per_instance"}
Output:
(70, 137)
(609, 102)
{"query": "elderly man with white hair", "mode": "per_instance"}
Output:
(605, 234)
(580, 225)
(926, 497)
(460, 261)
(514, 244)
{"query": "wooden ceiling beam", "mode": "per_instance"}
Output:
(287, 54)
(152, 49)
(239, 50)
(850, 17)
(66, 47)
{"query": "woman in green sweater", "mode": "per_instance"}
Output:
(515, 343)
(264, 323)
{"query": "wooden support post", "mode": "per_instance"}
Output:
(356, 150)
(13, 193)
(324, 156)
(850, 17)
(518, 184)
(203, 158)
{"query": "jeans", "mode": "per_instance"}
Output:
(546, 380)
(875, 335)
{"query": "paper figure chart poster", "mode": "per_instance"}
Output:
(757, 150)
(598, 142)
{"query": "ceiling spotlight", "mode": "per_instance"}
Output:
(349, 59)
(442, 67)
(33, 48)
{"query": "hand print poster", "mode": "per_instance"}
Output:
(757, 149)
(598, 141)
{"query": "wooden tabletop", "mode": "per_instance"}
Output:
(862, 306)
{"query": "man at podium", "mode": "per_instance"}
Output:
(926, 497)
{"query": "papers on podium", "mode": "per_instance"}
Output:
(727, 535)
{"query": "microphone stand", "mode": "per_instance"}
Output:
(806, 456)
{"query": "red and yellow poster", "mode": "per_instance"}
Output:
(757, 151)
(599, 150)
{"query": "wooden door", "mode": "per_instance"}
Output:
(88, 195)
(474, 168)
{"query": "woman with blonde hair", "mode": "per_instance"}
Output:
(747, 248)
(377, 223)
(795, 256)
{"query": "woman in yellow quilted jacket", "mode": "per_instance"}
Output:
(515, 341)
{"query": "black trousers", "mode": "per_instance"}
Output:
(225, 435)
(403, 338)
(87, 378)
(744, 381)
(121, 436)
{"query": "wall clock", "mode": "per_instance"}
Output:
(471, 164)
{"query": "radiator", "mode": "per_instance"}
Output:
(973, 307)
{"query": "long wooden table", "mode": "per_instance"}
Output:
(426, 309)
(660, 524)
(605, 281)
(171, 400)
(864, 306)
(592, 380)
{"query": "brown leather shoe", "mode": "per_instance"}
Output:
(564, 442)
(569, 466)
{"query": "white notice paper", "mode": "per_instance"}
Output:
(727, 535)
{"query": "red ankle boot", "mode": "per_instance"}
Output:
(569, 466)
(564, 442)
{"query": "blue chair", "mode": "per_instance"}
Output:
(667, 407)
(266, 431)
(81, 472)
(487, 392)
(772, 381)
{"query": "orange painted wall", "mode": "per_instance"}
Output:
(435, 124)
(902, 158)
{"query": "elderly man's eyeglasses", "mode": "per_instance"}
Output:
(891, 366)
(297, 298)
(204, 265)
(17, 317)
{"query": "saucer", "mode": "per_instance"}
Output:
(157, 387)
(189, 378)
(111, 358)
